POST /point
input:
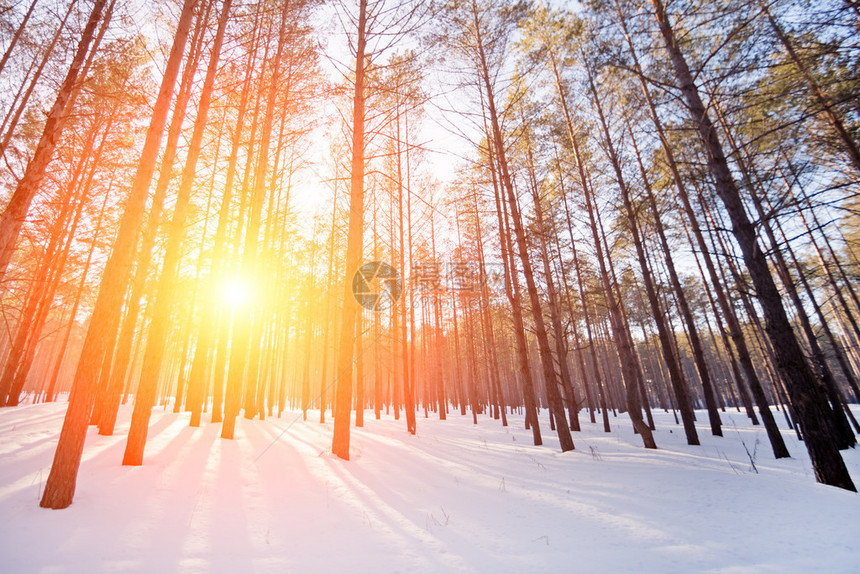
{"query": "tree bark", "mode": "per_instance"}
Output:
(60, 486)
(793, 368)
(346, 346)
(166, 290)
(16, 210)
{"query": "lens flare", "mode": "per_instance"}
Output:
(235, 292)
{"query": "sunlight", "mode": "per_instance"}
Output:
(535, 211)
(235, 292)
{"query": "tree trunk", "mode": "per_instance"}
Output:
(116, 361)
(679, 384)
(512, 290)
(552, 296)
(346, 346)
(60, 486)
(776, 441)
(844, 434)
(793, 368)
(555, 403)
(166, 290)
(16, 210)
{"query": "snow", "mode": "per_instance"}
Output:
(454, 498)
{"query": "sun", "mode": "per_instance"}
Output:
(235, 292)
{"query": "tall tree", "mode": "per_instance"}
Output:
(350, 309)
(166, 290)
(474, 23)
(808, 402)
(60, 486)
(14, 214)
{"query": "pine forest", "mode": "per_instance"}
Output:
(429, 286)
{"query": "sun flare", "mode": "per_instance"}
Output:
(235, 292)
(535, 213)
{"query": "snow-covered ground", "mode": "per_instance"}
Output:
(454, 498)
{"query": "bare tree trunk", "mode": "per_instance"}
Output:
(847, 372)
(623, 345)
(346, 346)
(327, 310)
(396, 254)
(407, 337)
(512, 290)
(60, 486)
(577, 339)
(116, 360)
(555, 403)
(17, 35)
(50, 393)
(39, 290)
(215, 329)
(438, 338)
(793, 368)
(584, 184)
(679, 384)
(461, 393)
(844, 435)
(49, 277)
(828, 272)
(166, 291)
(734, 328)
(488, 338)
(16, 210)
(586, 317)
(625, 360)
(243, 368)
(552, 296)
(359, 371)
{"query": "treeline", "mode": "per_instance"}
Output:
(659, 211)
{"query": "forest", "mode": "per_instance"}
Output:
(354, 211)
